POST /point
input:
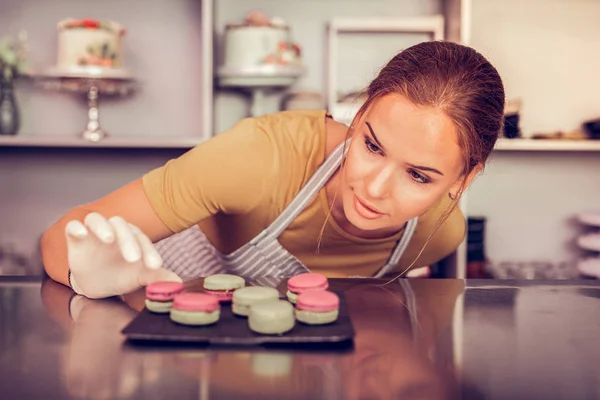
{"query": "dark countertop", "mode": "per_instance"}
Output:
(472, 340)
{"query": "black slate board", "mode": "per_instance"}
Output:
(234, 330)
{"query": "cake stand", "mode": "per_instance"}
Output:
(92, 81)
(258, 81)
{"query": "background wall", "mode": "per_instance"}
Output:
(547, 54)
(308, 20)
(162, 47)
(39, 185)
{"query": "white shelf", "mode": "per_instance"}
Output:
(124, 143)
(427, 24)
(546, 145)
(189, 142)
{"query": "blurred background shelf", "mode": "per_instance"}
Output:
(189, 142)
(547, 145)
(111, 142)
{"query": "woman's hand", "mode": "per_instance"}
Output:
(109, 257)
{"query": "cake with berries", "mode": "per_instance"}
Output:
(89, 44)
(258, 42)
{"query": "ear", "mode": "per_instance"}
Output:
(455, 190)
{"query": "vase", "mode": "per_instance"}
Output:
(9, 109)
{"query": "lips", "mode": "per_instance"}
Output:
(365, 210)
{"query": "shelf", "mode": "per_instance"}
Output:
(189, 142)
(546, 145)
(117, 143)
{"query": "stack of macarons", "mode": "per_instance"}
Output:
(307, 282)
(315, 305)
(160, 295)
(244, 298)
(193, 308)
(266, 312)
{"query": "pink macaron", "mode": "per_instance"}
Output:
(317, 307)
(307, 282)
(321, 301)
(196, 302)
(160, 295)
(163, 291)
(195, 309)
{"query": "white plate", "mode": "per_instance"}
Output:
(589, 218)
(589, 242)
(589, 267)
(87, 72)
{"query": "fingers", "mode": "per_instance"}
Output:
(160, 275)
(76, 230)
(126, 239)
(133, 243)
(150, 255)
(100, 227)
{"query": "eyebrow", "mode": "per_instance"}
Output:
(373, 133)
(419, 167)
(423, 168)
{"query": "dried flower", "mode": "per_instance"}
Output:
(13, 56)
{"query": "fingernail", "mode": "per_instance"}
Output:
(154, 262)
(131, 255)
(79, 231)
(108, 237)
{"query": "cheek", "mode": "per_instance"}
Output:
(412, 200)
(357, 165)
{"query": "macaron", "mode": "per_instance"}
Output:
(271, 317)
(195, 309)
(222, 286)
(244, 297)
(317, 308)
(159, 296)
(305, 283)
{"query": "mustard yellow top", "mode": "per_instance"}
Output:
(235, 184)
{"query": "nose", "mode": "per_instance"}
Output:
(379, 183)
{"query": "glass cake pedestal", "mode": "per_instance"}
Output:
(258, 81)
(93, 82)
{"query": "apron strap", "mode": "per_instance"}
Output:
(305, 195)
(400, 248)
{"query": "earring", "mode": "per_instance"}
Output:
(452, 197)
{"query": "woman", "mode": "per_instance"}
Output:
(282, 193)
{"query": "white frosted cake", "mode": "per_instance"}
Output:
(89, 43)
(259, 42)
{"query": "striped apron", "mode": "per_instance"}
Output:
(263, 260)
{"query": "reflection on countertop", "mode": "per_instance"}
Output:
(421, 339)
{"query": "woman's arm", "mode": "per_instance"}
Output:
(129, 202)
(230, 173)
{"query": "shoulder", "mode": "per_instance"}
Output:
(298, 139)
(300, 133)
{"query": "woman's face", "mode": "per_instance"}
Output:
(402, 158)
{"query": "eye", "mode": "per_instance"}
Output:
(418, 177)
(372, 147)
